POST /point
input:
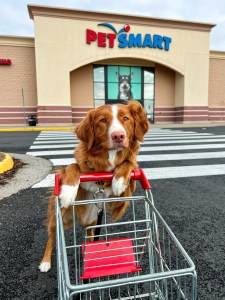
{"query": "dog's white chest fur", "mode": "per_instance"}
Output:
(112, 159)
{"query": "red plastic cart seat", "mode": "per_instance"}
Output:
(113, 257)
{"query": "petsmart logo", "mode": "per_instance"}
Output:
(127, 40)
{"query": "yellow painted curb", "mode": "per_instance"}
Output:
(35, 129)
(6, 164)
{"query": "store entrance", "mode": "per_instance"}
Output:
(118, 84)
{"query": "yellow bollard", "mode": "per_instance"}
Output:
(7, 163)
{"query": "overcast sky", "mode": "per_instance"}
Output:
(15, 20)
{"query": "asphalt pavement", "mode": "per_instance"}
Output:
(16, 142)
(193, 208)
(197, 219)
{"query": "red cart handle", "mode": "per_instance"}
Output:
(57, 184)
(107, 176)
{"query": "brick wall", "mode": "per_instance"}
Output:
(217, 86)
(19, 75)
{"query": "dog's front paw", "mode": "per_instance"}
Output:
(118, 186)
(68, 194)
(45, 267)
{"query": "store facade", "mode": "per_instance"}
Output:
(82, 59)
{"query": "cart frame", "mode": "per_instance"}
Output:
(170, 271)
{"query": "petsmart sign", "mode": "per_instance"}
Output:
(5, 62)
(124, 39)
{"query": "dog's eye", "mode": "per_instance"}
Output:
(125, 118)
(103, 120)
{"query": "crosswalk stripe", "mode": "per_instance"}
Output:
(150, 133)
(54, 138)
(177, 156)
(185, 137)
(154, 158)
(187, 171)
(146, 143)
(45, 183)
(53, 146)
(56, 132)
(161, 173)
(175, 133)
(46, 142)
(69, 140)
(62, 161)
(148, 137)
(50, 153)
(60, 131)
(186, 147)
(143, 149)
(171, 141)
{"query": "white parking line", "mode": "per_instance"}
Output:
(50, 153)
(186, 147)
(187, 171)
(67, 145)
(143, 149)
(53, 146)
(45, 142)
(161, 173)
(154, 158)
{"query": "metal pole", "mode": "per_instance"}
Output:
(24, 112)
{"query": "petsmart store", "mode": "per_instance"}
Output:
(78, 60)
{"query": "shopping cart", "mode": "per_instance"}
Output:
(137, 257)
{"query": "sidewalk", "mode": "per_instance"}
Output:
(33, 128)
(161, 125)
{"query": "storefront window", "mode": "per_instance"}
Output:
(99, 85)
(99, 90)
(113, 84)
(99, 74)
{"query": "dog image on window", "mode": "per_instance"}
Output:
(125, 92)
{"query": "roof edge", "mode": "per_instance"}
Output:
(218, 54)
(47, 11)
(11, 40)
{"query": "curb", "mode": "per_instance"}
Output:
(34, 129)
(6, 164)
(25, 177)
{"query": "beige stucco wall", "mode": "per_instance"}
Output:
(164, 86)
(81, 84)
(217, 79)
(127, 61)
(60, 42)
(20, 74)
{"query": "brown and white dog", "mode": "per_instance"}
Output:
(109, 137)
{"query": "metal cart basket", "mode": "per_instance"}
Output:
(137, 257)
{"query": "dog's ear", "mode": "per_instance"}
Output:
(131, 75)
(85, 130)
(141, 123)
